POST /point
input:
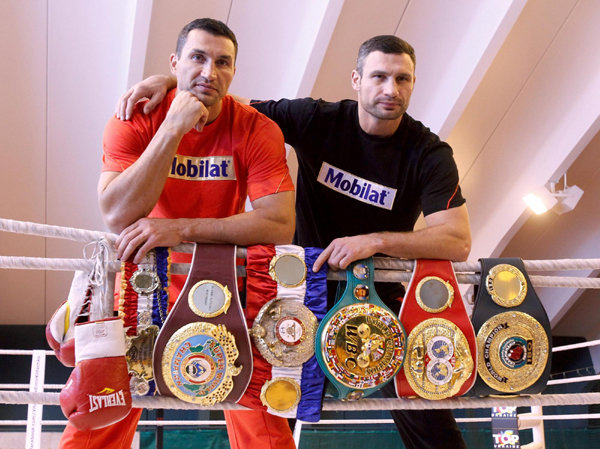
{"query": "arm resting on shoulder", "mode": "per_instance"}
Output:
(271, 221)
(447, 236)
(154, 88)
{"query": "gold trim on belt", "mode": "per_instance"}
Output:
(438, 359)
(197, 363)
(513, 351)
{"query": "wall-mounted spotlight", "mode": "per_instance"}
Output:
(561, 201)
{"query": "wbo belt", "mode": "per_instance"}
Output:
(202, 354)
(143, 302)
(360, 343)
(285, 300)
(441, 351)
(513, 331)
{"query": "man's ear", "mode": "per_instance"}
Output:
(173, 64)
(355, 80)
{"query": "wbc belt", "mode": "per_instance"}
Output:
(143, 302)
(360, 342)
(441, 350)
(285, 299)
(513, 331)
(204, 344)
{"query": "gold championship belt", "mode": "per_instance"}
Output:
(360, 343)
(284, 300)
(284, 328)
(203, 350)
(438, 359)
(284, 332)
(200, 363)
(441, 343)
(143, 303)
(513, 331)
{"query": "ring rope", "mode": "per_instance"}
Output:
(322, 422)
(56, 264)
(385, 263)
(154, 402)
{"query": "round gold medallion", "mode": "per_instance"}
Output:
(281, 394)
(438, 359)
(288, 270)
(363, 345)
(284, 332)
(506, 285)
(209, 299)
(434, 295)
(198, 363)
(513, 351)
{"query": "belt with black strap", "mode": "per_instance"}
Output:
(513, 331)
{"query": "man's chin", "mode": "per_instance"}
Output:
(207, 100)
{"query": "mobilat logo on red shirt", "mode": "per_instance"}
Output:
(358, 188)
(214, 168)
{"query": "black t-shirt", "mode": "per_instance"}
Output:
(352, 183)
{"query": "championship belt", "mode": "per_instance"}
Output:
(513, 331)
(360, 342)
(204, 344)
(441, 352)
(143, 303)
(285, 299)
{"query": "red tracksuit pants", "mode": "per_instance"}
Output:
(246, 430)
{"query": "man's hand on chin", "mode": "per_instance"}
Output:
(148, 233)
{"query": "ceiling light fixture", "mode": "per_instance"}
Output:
(561, 201)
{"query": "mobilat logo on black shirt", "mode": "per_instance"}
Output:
(358, 188)
(214, 168)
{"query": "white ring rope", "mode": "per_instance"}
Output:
(54, 264)
(384, 263)
(23, 397)
(326, 422)
(570, 380)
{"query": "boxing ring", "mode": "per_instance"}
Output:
(386, 270)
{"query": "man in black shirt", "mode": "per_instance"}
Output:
(366, 171)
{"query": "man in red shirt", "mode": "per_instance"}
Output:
(182, 173)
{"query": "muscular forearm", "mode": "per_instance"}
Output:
(250, 228)
(133, 194)
(448, 236)
(272, 221)
(428, 243)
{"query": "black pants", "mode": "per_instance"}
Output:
(425, 429)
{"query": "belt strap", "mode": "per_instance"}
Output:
(360, 342)
(210, 263)
(513, 331)
(293, 388)
(441, 339)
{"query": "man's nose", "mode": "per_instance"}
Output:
(391, 89)
(209, 71)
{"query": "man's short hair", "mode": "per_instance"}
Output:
(386, 44)
(211, 26)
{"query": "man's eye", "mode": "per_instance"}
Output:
(197, 58)
(223, 63)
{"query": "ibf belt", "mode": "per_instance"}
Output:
(513, 331)
(441, 350)
(285, 300)
(203, 349)
(360, 343)
(143, 302)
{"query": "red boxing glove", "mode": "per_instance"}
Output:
(97, 392)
